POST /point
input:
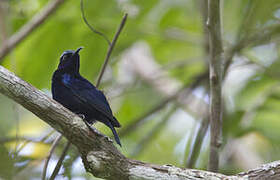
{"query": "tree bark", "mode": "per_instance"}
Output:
(215, 69)
(100, 157)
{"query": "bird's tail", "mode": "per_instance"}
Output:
(115, 122)
(115, 134)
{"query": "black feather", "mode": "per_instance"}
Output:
(80, 96)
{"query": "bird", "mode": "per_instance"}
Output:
(79, 95)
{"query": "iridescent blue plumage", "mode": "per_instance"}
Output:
(80, 96)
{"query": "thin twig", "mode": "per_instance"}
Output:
(59, 163)
(55, 143)
(181, 63)
(61, 158)
(195, 148)
(68, 163)
(135, 123)
(246, 24)
(19, 138)
(90, 27)
(29, 27)
(257, 38)
(41, 140)
(216, 72)
(111, 47)
(243, 40)
(151, 134)
(185, 90)
(16, 112)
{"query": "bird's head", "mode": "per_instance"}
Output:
(70, 61)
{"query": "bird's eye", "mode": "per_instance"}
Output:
(64, 57)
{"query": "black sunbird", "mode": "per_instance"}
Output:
(77, 94)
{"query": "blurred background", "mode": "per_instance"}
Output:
(156, 81)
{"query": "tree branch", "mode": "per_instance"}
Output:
(55, 143)
(185, 91)
(199, 136)
(29, 27)
(152, 133)
(110, 50)
(215, 68)
(60, 161)
(195, 148)
(257, 38)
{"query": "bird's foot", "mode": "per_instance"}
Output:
(89, 125)
(82, 116)
(92, 129)
(108, 139)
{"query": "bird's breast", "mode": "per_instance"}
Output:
(66, 78)
(59, 91)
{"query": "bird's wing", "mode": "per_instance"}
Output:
(89, 95)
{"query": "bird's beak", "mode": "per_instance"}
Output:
(78, 50)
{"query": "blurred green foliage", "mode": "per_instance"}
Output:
(174, 32)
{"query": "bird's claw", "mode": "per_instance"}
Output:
(82, 116)
(92, 129)
(109, 139)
